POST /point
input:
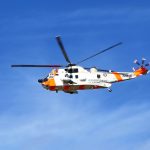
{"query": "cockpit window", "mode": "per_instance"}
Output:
(74, 70)
(50, 75)
(70, 76)
(76, 76)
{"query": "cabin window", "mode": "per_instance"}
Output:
(70, 76)
(98, 76)
(66, 75)
(76, 76)
(70, 71)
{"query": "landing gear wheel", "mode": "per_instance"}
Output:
(109, 90)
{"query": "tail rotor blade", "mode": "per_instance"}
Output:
(136, 62)
(143, 61)
(147, 64)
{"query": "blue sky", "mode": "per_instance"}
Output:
(33, 118)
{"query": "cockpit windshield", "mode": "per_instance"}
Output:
(72, 70)
(53, 73)
(50, 75)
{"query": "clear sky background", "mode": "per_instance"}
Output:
(32, 118)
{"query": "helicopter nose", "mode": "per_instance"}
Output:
(40, 80)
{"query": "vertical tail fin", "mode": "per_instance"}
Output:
(142, 70)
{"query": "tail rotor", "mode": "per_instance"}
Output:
(142, 64)
(142, 69)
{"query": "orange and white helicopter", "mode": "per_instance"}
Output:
(73, 77)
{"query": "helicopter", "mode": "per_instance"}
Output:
(72, 77)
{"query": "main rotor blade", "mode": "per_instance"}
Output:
(51, 66)
(100, 52)
(58, 38)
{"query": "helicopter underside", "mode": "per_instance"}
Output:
(72, 88)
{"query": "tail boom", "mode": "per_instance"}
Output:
(140, 71)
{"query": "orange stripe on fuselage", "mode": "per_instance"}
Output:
(118, 76)
(50, 83)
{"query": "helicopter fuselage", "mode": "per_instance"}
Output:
(74, 78)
